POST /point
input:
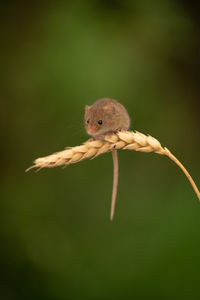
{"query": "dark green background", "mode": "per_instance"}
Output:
(56, 240)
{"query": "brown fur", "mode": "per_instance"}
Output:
(114, 117)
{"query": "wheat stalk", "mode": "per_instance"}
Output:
(125, 140)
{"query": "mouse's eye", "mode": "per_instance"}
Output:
(88, 121)
(100, 122)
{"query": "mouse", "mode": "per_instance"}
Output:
(107, 116)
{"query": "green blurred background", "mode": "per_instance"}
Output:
(56, 240)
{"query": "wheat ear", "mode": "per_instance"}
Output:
(125, 140)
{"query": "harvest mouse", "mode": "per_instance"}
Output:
(106, 116)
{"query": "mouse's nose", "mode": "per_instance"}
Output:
(91, 129)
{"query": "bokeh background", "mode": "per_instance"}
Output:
(56, 240)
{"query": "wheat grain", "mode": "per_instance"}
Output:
(126, 140)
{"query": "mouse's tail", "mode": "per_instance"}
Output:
(115, 182)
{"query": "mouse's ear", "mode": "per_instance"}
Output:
(109, 108)
(87, 108)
